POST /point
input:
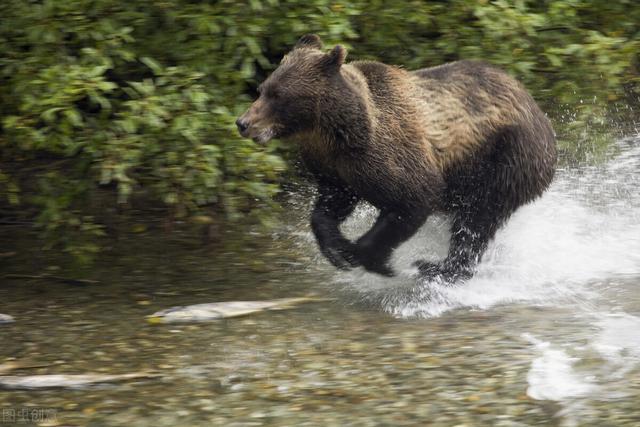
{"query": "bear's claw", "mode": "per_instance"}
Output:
(341, 257)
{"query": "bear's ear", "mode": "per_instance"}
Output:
(309, 41)
(334, 59)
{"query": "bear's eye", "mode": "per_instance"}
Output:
(273, 93)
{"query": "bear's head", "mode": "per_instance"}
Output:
(293, 97)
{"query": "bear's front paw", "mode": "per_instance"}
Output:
(379, 268)
(372, 261)
(341, 254)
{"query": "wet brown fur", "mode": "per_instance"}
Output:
(463, 138)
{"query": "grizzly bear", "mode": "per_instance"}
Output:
(463, 138)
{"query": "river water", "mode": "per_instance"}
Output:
(546, 333)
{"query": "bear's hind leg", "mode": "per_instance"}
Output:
(471, 233)
(515, 167)
(470, 236)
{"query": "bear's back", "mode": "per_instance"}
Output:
(442, 117)
(452, 108)
(482, 88)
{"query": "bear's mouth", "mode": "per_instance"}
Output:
(263, 136)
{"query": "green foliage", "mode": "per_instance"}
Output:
(136, 101)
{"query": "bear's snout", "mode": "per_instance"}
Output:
(256, 125)
(243, 126)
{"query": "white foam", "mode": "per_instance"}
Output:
(619, 338)
(552, 377)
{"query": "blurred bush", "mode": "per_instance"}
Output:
(108, 104)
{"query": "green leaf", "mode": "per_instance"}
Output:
(74, 117)
(152, 64)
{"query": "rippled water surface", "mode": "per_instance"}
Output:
(546, 333)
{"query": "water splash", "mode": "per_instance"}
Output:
(576, 375)
(552, 376)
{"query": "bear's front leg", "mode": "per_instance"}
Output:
(374, 248)
(333, 206)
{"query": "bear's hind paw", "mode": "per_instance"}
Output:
(430, 271)
(427, 269)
